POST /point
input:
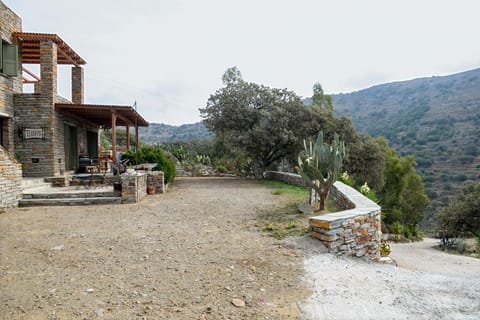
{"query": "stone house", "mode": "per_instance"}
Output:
(47, 133)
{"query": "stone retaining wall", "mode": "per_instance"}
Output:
(10, 180)
(356, 231)
(290, 178)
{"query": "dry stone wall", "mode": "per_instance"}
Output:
(355, 231)
(10, 180)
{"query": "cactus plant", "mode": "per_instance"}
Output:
(319, 166)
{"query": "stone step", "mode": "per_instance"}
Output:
(69, 195)
(69, 202)
(32, 188)
(32, 182)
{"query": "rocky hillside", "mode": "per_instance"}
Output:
(159, 132)
(436, 119)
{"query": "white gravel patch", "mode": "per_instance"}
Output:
(347, 288)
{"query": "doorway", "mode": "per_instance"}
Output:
(71, 147)
(92, 144)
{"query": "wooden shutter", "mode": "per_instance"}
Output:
(10, 59)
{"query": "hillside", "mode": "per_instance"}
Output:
(436, 119)
(159, 132)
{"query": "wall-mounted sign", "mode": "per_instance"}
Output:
(30, 133)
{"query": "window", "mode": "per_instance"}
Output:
(8, 59)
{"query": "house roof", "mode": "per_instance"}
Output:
(30, 48)
(102, 114)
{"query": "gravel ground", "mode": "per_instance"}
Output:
(427, 284)
(184, 255)
(194, 254)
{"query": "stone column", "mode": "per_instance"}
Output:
(48, 69)
(77, 85)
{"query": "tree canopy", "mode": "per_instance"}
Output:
(462, 214)
(268, 123)
(403, 197)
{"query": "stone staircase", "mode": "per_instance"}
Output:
(37, 193)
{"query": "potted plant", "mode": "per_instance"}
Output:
(151, 189)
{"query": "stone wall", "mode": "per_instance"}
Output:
(134, 187)
(290, 178)
(36, 155)
(156, 178)
(355, 231)
(10, 180)
(9, 23)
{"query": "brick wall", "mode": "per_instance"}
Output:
(10, 180)
(355, 231)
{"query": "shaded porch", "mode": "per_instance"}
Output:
(106, 117)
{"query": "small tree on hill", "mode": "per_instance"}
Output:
(319, 165)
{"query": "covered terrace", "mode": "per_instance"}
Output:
(107, 117)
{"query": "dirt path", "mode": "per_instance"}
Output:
(421, 256)
(183, 255)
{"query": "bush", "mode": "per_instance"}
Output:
(461, 213)
(397, 229)
(153, 154)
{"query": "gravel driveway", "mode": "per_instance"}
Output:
(194, 253)
(189, 254)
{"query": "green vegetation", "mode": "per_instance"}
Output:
(287, 220)
(462, 213)
(159, 133)
(319, 165)
(153, 154)
(403, 198)
(267, 124)
(437, 120)
(282, 188)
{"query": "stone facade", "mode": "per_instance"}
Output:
(9, 23)
(355, 231)
(10, 180)
(134, 187)
(77, 85)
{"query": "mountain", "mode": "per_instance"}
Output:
(435, 119)
(159, 132)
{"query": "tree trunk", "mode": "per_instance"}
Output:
(257, 171)
(323, 196)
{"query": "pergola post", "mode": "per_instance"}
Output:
(128, 136)
(114, 139)
(136, 139)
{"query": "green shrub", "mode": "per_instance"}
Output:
(344, 177)
(153, 154)
(397, 229)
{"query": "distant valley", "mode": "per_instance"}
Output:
(159, 132)
(435, 119)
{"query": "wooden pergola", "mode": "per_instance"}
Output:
(107, 117)
(29, 43)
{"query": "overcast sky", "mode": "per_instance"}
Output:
(170, 55)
